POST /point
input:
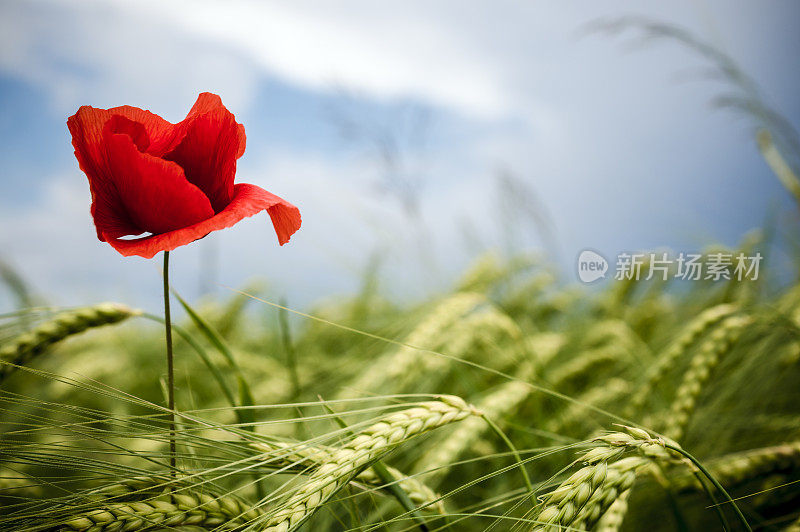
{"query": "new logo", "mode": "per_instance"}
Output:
(591, 266)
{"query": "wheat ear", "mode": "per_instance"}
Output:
(737, 468)
(177, 509)
(794, 527)
(614, 331)
(697, 328)
(505, 398)
(703, 363)
(605, 393)
(587, 363)
(611, 521)
(34, 342)
(481, 329)
(300, 456)
(471, 335)
(145, 503)
(581, 500)
(398, 364)
(542, 347)
(366, 447)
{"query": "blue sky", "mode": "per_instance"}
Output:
(618, 138)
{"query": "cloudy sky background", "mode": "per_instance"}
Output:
(616, 137)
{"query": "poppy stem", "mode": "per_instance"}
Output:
(170, 372)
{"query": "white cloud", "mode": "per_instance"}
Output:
(99, 54)
(149, 49)
(372, 47)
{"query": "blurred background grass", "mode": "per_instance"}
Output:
(551, 365)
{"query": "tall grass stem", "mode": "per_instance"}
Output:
(714, 481)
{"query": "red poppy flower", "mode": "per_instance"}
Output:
(173, 181)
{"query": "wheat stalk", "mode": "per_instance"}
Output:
(369, 445)
(296, 456)
(28, 345)
(703, 363)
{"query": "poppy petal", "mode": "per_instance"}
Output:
(208, 152)
(164, 135)
(155, 193)
(247, 201)
(206, 103)
(87, 127)
(108, 213)
(157, 128)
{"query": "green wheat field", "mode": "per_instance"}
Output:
(511, 402)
